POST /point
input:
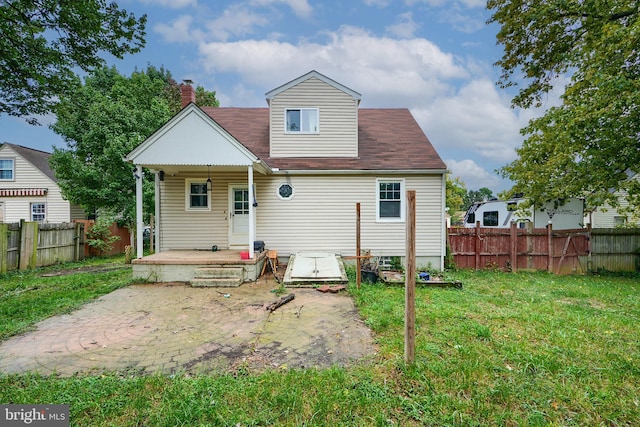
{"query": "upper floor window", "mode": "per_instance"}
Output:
(390, 206)
(301, 120)
(7, 170)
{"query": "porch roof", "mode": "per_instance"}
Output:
(191, 138)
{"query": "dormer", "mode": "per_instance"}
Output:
(313, 116)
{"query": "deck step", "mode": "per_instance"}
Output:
(220, 282)
(218, 277)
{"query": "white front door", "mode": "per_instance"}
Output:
(238, 216)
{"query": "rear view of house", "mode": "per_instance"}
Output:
(28, 188)
(290, 175)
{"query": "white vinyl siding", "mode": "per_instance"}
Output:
(196, 229)
(322, 216)
(338, 122)
(28, 176)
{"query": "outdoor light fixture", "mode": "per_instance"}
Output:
(161, 175)
(209, 184)
(135, 173)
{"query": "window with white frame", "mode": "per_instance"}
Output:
(301, 120)
(38, 212)
(197, 195)
(7, 172)
(390, 200)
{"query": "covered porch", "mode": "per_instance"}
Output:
(222, 268)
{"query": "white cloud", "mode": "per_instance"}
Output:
(475, 176)
(476, 120)
(236, 20)
(300, 8)
(173, 4)
(386, 71)
(178, 31)
(405, 27)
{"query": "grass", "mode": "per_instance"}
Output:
(526, 349)
(30, 296)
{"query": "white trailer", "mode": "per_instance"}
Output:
(564, 214)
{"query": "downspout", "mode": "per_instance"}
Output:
(252, 212)
(138, 175)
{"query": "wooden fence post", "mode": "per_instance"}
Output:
(4, 247)
(410, 282)
(477, 246)
(28, 245)
(549, 248)
(79, 242)
(358, 262)
(514, 247)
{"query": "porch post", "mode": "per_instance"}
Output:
(252, 212)
(156, 239)
(137, 173)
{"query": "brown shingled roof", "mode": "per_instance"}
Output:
(388, 139)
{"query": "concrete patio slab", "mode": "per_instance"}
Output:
(174, 328)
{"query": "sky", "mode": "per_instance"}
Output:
(434, 57)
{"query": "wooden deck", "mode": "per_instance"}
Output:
(181, 265)
(191, 257)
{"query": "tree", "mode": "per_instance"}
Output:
(587, 146)
(44, 41)
(101, 121)
(473, 196)
(455, 195)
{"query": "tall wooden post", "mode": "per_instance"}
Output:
(4, 247)
(514, 247)
(358, 263)
(410, 282)
(478, 246)
(28, 245)
(549, 248)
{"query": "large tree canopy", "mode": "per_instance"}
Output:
(589, 145)
(101, 121)
(44, 41)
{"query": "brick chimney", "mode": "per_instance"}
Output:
(187, 92)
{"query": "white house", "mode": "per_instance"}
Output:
(28, 189)
(609, 217)
(290, 175)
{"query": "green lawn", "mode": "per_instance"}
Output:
(508, 349)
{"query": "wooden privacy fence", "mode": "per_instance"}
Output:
(615, 249)
(516, 249)
(117, 247)
(560, 252)
(28, 245)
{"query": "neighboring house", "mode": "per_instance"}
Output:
(291, 174)
(608, 217)
(28, 189)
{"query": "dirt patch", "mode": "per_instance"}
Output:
(88, 269)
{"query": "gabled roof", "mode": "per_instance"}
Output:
(388, 140)
(39, 159)
(180, 142)
(271, 94)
